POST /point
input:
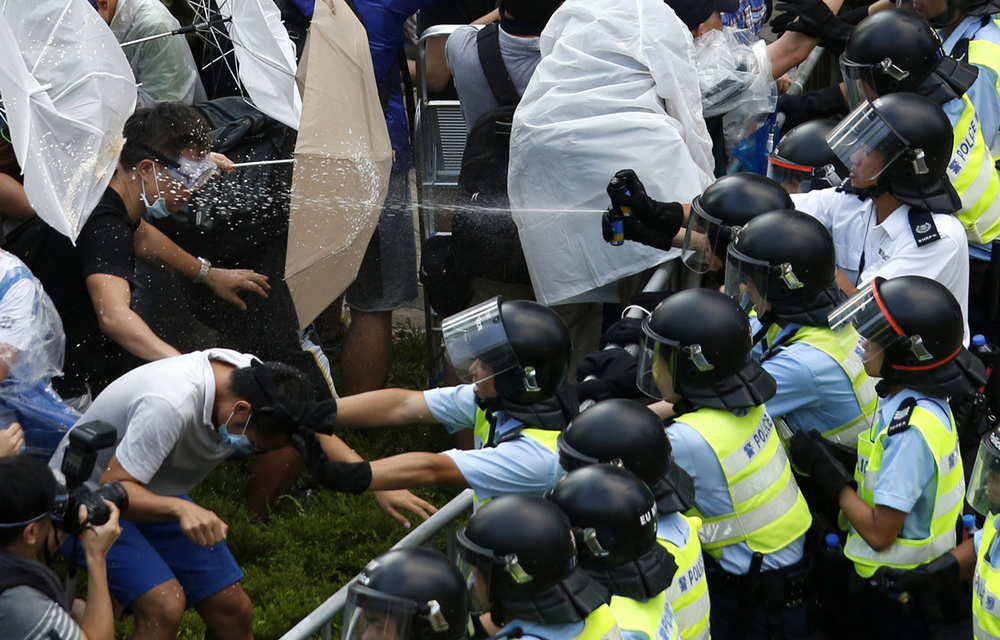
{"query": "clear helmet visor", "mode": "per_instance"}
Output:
(865, 312)
(657, 366)
(799, 178)
(865, 142)
(373, 615)
(983, 494)
(746, 281)
(478, 334)
(705, 235)
(859, 82)
(477, 565)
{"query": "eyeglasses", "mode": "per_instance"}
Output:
(192, 174)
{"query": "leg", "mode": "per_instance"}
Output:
(228, 614)
(273, 474)
(158, 612)
(367, 350)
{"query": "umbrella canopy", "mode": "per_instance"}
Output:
(342, 161)
(67, 90)
(265, 55)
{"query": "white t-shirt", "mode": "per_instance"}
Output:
(163, 414)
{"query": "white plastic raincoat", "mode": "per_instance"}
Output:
(616, 88)
(164, 67)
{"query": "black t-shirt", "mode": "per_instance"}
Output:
(106, 244)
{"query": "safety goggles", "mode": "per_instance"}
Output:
(191, 174)
(478, 334)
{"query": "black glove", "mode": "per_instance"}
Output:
(348, 477)
(292, 414)
(822, 103)
(615, 371)
(652, 223)
(624, 332)
(937, 576)
(814, 19)
(811, 455)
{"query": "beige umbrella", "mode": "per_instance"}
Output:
(342, 161)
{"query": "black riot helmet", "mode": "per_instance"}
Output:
(614, 520)
(803, 161)
(626, 432)
(697, 344)
(526, 345)
(917, 324)
(520, 551)
(890, 51)
(903, 140)
(720, 212)
(784, 263)
(408, 594)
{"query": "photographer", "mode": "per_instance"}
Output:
(33, 604)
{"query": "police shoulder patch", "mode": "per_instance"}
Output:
(923, 227)
(901, 419)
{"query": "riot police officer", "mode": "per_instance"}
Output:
(783, 266)
(614, 520)
(407, 594)
(802, 162)
(696, 354)
(626, 432)
(516, 355)
(519, 556)
(909, 472)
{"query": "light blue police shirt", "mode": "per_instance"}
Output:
(814, 393)
(541, 631)
(907, 481)
(693, 453)
(519, 465)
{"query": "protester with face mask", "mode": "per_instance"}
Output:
(163, 162)
(177, 419)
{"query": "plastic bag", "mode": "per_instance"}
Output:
(734, 72)
(42, 414)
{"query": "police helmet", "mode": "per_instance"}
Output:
(784, 261)
(408, 594)
(614, 520)
(518, 552)
(697, 344)
(917, 324)
(720, 212)
(889, 51)
(903, 140)
(802, 160)
(626, 432)
(525, 344)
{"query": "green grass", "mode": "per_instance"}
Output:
(311, 547)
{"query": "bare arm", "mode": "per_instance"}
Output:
(98, 618)
(879, 526)
(965, 553)
(112, 301)
(792, 48)
(382, 408)
(13, 200)
(845, 283)
(415, 469)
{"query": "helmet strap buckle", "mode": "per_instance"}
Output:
(919, 161)
(696, 356)
(530, 383)
(618, 463)
(891, 70)
(593, 544)
(918, 348)
(514, 569)
(788, 276)
(435, 617)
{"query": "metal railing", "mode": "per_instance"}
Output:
(321, 618)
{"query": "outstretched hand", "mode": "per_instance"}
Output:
(391, 502)
(228, 283)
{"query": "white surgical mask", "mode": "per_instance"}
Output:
(158, 209)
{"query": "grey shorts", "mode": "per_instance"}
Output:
(387, 279)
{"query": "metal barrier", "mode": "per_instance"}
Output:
(321, 618)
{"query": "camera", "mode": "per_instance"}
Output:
(85, 441)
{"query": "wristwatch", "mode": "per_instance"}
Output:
(203, 272)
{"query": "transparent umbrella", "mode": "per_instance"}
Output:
(67, 90)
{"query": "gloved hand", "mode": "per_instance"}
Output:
(814, 19)
(349, 477)
(623, 332)
(822, 103)
(937, 576)
(652, 223)
(811, 455)
(290, 413)
(615, 371)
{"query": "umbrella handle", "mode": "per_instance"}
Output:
(258, 163)
(176, 32)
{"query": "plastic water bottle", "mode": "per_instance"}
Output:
(980, 346)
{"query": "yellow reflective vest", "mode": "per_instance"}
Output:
(688, 593)
(649, 620)
(973, 174)
(845, 349)
(484, 437)
(769, 512)
(986, 587)
(905, 553)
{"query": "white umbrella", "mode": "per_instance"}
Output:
(265, 55)
(67, 90)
